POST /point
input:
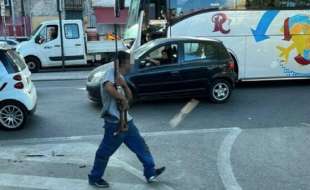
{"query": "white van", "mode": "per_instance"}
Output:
(43, 49)
(18, 96)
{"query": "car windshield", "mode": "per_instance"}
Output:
(35, 30)
(133, 20)
(144, 48)
(180, 8)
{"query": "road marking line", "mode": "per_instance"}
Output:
(82, 89)
(187, 109)
(134, 171)
(51, 183)
(99, 137)
(306, 124)
(58, 87)
(224, 162)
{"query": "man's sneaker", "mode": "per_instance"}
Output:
(99, 184)
(158, 172)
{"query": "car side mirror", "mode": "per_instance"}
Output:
(38, 39)
(143, 62)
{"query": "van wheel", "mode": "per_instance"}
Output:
(13, 116)
(33, 64)
(220, 91)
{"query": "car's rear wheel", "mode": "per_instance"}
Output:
(33, 64)
(13, 116)
(220, 91)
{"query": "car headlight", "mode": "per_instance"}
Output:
(98, 76)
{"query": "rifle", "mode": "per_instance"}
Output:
(123, 127)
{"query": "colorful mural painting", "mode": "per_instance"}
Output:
(221, 23)
(296, 30)
(259, 33)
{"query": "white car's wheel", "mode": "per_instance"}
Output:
(33, 64)
(12, 116)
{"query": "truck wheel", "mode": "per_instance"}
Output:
(220, 91)
(13, 116)
(33, 64)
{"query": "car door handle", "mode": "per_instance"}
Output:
(77, 44)
(57, 46)
(47, 47)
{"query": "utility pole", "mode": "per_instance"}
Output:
(119, 4)
(60, 9)
(24, 18)
(13, 17)
(2, 5)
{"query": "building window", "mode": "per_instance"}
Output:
(74, 4)
(277, 4)
(72, 31)
(7, 3)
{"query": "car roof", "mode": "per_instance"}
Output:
(56, 22)
(7, 39)
(153, 43)
(186, 38)
(5, 46)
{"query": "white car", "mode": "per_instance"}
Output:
(18, 96)
(11, 42)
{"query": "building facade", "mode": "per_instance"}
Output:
(104, 12)
(26, 15)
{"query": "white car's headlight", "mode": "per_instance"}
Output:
(98, 76)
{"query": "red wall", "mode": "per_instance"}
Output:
(105, 15)
(22, 23)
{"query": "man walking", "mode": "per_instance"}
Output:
(112, 139)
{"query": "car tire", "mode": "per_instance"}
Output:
(34, 64)
(220, 91)
(17, 113)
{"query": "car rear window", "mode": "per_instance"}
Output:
(11, 61)
(223, 53)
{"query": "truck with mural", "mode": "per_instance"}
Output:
(43, 49)
(268, 40)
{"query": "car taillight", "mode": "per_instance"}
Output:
(19, 85)
(231, 65)
(18, 77)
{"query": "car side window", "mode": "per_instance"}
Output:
(199, 51)
(72, 31)
(47, 34)
(163, 55)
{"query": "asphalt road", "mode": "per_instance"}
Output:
(258, 140)
(64, 110)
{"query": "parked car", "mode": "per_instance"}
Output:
(18, 96)
(174, 68)
(10, 42)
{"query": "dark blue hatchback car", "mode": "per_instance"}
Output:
(176, 68)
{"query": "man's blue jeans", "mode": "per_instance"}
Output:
(110, 143)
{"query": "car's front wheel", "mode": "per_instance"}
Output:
(220, 91)
(13, 116)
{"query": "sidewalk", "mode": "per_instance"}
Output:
(68, 75)
(62, 163)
